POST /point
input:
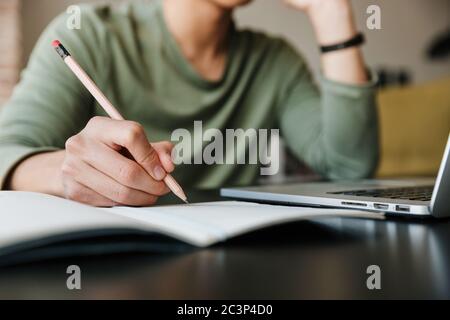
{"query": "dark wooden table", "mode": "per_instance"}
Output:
(323, 258)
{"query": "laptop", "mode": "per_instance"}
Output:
(419, 197)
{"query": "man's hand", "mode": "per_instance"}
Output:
(304, 5)
(332, 20)
(333, 23)
(108, 163)
(111, 162)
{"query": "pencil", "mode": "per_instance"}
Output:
(171, 183)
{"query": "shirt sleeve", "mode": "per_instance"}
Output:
(49, 104)
(333, 130)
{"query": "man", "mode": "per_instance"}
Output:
(165, 64)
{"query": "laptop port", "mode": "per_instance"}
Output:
(381, 206)
(350, 203)
(400, 208)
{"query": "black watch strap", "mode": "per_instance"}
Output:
(355, 41)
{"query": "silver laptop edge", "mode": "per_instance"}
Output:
(440, 199)
(318, 194)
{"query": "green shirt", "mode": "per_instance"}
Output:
(133, 58)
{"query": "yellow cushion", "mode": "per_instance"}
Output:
(414, 126)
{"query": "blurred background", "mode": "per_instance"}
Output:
(410, 54)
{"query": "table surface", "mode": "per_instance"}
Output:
(322, 258)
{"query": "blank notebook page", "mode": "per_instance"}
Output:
(205, 223)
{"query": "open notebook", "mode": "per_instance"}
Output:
(27, 217)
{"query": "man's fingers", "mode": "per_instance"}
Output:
(77, 192)
(130, 135)
(125, 171)
(106, 186)
(164, 151)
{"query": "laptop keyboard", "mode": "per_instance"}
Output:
(422, 193)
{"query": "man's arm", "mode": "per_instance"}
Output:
(335, 130)
(44, 147)
(47, 106)
(333, 23)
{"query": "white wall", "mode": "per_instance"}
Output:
(407, 28)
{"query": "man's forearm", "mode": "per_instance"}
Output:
(39, 173)
(333, 23)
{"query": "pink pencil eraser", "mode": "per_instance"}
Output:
(55, 43)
